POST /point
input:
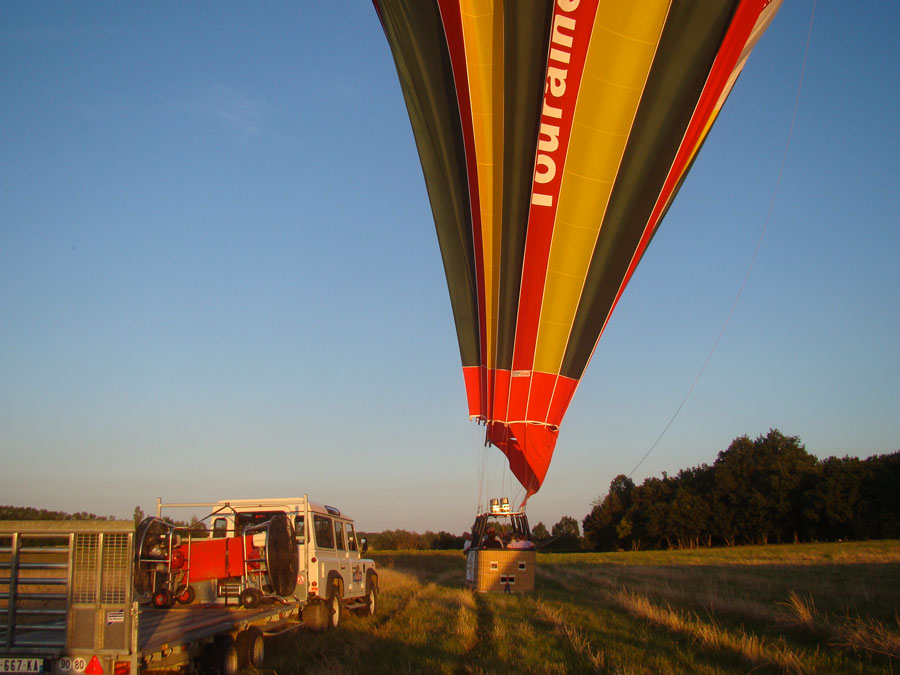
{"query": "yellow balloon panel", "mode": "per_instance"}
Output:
(618, 60)
(480, 36)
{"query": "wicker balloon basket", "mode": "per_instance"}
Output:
(500, 570)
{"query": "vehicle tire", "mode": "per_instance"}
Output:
(251, 648)
(281, 555)
(250, 598)
(187, 596)
(162, 598)
(316, 615)
(227, 657)
(335, 604)
(371, 599)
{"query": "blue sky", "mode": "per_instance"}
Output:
(219, 275)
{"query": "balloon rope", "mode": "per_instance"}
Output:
(479, 464)
(482, 466)
(762, 234)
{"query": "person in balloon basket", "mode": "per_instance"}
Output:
(491, 540)
(519, 542)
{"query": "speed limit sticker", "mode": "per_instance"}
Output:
(70, 665)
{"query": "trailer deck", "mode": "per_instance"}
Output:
(164, 629)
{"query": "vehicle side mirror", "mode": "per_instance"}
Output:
(364, 543)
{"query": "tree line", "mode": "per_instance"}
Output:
(563, 536)
(757, 491)
(8, 512)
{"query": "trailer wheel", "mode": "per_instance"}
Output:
(316, 615)
(225, 652)
(187, 596)
(336, 605)
(250, 598)
(251, 647)
(162, 598)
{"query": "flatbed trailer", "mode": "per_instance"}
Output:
(67, 605)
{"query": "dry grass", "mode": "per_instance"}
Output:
(851, 632)
(869, 636)
(754, 649)
(801, 612)
(576, 638)
(820, 609)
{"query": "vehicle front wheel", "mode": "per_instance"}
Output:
(336, 605)
(371, 601)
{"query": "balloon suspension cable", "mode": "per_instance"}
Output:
(489, 465)
(480, 463)
(493, 472)
(762, 234)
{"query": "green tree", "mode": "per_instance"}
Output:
(764, 483)
(650, 512)
(837, 498)
(880, 505)
(565, 535)
(604, 529)
(539, 533)
(444, 541)
(689, 511)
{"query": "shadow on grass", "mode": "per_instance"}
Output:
(484, 636)
(352, 649)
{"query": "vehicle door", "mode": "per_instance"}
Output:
(343, 558)
(324, 551)
(357, 578)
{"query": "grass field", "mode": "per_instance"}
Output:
(807, 608)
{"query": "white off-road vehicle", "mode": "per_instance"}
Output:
(332, 574)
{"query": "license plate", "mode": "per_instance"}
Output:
(21, 665)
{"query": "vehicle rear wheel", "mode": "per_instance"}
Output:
(251, 647)
(316, 616)
(336, 604)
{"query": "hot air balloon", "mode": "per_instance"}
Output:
(553, 137)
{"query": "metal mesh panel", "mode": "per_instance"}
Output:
(114, 575)
(84, 580)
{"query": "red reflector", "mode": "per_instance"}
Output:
(94, 667)
(313, 559)
(122, 668)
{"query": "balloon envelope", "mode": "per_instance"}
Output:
(553, 137)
